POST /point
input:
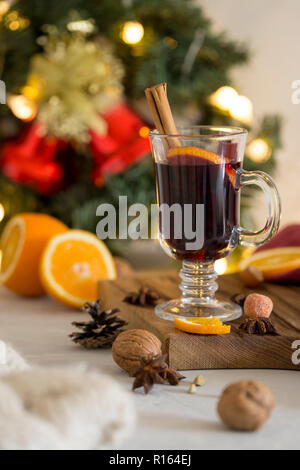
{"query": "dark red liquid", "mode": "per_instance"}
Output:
(194, 180)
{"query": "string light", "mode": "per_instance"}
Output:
(30, 92)
(259, 150)
(23, 107)
(14, 25)
(242, 109)
(14, 21)
(144, 132)
(33, 88)
(2, 212)
(224, 97)
(221, 266)
(4, 7)
(132, 32)
(82, 26)
(239, 107)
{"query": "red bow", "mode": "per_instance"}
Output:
(125, 143)
(36, 160)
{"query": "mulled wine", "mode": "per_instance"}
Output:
(192, 180)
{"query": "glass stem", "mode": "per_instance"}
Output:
(198, 281)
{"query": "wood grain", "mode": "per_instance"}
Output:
(238, 350)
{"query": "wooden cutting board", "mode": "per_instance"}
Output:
(238, 350)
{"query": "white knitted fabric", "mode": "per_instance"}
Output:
(47, 409)
(10, 360)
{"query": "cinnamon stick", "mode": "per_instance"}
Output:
(161, 112)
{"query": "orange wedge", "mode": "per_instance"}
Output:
(211, 157)
(22, 243)
(72, 264)
(274, 262)
(202, 326)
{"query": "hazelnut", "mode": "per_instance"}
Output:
(131, 345)
(123, 268)
(257, 305)
(252, 276)
(245, 405)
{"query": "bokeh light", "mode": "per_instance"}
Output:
(4, 7)
(221, 266)
(14, 21)
(22, 107)
(144, 132)
(258, 150)
(239, 107)
(132, 32)
(82, 26)
(2, 212)
(224, 97)
(242, 109)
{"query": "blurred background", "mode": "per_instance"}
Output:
(74, 132)
(270, 28)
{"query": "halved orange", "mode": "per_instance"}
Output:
(274, 262)
(22, 243)
(72, 264)
(202, 326)
(211, 157)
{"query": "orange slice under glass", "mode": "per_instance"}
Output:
(202, 326)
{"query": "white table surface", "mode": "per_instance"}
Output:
(169, 417)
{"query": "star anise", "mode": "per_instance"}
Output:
(155, 370)
(102, 330)
(258, 326)
(145, 296)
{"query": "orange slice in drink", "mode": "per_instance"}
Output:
(202, 326)
(72, 264)
(274, 262)
(197, 152)
(22, 243)
(211, 157)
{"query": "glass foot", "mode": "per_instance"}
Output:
(188, 308)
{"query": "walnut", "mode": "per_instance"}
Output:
(245, 405)
(131, 346)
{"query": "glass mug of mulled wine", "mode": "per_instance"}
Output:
(199, 176)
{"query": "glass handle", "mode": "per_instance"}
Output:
(266, 183)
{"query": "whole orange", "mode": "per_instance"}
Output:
(22, 243)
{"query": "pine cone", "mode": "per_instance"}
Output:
(101, 331)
